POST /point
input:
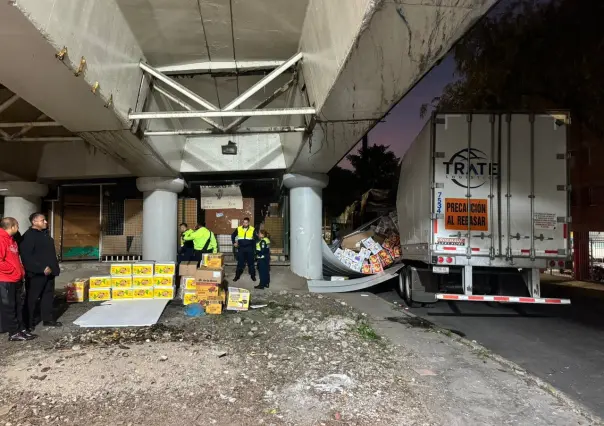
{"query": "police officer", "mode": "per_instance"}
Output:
(263, 255)
(204, 241)
(186, 246)
(244, 238)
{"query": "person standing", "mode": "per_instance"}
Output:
(11, 282)
(41, 267)
(186, 246)
(244, 239)
(263, 256)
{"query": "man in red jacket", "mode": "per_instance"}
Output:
(11, 282)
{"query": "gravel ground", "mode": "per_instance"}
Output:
(302, 360)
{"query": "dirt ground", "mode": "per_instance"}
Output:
(304, 359)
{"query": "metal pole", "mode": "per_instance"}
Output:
(238, 113)
(468, 193)
(532, 194)
(100, 221)
(178, 87)
(209, 66)
(47, 139)
(248, 130)
(185, 105)
(262, 83)
(491, 196)
(7, 103)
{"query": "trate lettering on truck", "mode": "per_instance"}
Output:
(472, 163)
(459, 214)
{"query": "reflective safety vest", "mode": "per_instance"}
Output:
(213, 246)
(263, 248)
(200, 238)
(184, 235)
(245, 234)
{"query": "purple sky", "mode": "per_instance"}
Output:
(403, 123)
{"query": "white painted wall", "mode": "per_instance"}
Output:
(255, 152)
(77, 160)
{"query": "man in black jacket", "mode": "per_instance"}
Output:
(39, 258)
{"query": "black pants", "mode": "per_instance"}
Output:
(186, 254)
(40, 288)
(11, 307)
(264, 272)
(245, 255)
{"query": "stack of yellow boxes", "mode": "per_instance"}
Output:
(142, 280)
(100, 288)
(209, 284)
(163, 280)
(121, 281)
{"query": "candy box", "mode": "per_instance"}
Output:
(188, 283)
(121, 269)
(163, 281)
(213, 308)
(99, 294)
(210, 293)
(165, 268)
(77, 291)
(238, 299)
(142, 281)
(100, 282)
(122, 293)
(121, 282)
(190, 297)
(213, 260)
(163, 293)
(143, 268)
(142, 293)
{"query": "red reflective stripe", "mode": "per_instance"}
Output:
(525, 251)
(475, 298)
(450, 296)
(565, 231)
(501, 299)
(475, 249)
(551, 251)
(527, 300)
(557, 301)
(435, 226)
(450, 248)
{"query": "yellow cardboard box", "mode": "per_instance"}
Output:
(121, 269)
(165, 268)
(121, 282)
(188, 283)
(100, 281)
(143, 268)
(190, 297)
(77, 291)
(122, 293)
(142, 281)
(142, 293)
(213, 308)
(210, 293)
(213, 260)
(99, 294)
(238, 299)
(163, 281)
(163, 293)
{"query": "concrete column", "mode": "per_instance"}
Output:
(22, 199)
(160, 217)
(306, 211)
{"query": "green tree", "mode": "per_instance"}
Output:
(375, 167)
(533, 55)
(341, 191)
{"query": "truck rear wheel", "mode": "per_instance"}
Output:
(404, 289)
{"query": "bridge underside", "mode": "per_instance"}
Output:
(151, 88)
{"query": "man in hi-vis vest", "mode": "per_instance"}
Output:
(244, 238)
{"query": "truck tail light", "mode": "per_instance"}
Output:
(552, 263)
(561, 263)
(449, 259)
(441, 260)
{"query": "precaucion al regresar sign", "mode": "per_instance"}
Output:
(457, 215)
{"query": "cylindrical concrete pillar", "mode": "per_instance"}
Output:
(160, 221)
(21, 200)
(306, 210)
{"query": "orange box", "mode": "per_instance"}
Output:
(213, 308)
(213, 260)
(207, 292)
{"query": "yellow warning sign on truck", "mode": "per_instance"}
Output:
(457, 215)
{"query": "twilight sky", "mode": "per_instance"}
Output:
(400, 127)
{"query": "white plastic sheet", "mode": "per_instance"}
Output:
(123, 313)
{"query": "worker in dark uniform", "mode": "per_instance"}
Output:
(186, 246)
(244, 239)
(263, 256)
(204, 241)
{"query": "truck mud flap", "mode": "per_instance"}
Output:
(345, 286)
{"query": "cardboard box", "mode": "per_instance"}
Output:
(99, 294)
(213, 260)
(122, 293)
(142, 281)
(190, 297)
(121, 282)
(209, 275)
(213, 308)
(143, 269)
(163, 293)
(120, 269)
(354, 242)
(207, 292)
(187, 269)
(100, 282)
(238, 299)
(366, 268)
(163, 281)
(77, 291)
(188, 283)
(165, 268)
(142, 293)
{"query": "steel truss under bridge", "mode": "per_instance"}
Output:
(156, 78)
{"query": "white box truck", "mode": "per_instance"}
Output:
(483, 206)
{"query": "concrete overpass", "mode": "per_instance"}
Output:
(155, 88)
